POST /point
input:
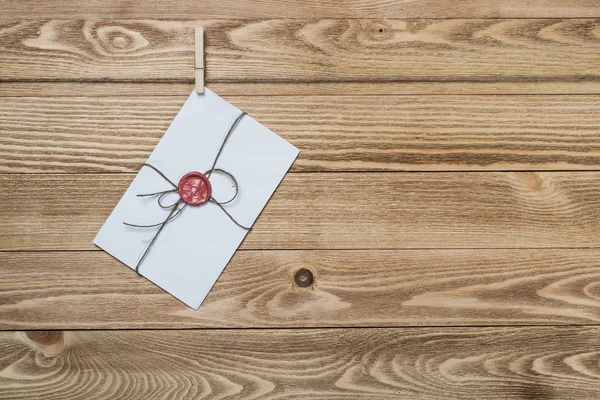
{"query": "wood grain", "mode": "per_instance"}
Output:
(338, 210)
(168, 89)
(478, 363)
(227, 9)
(83, 290)
(362, 87)
(283, 50)
(335, 133)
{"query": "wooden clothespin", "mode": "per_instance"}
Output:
(199, 60)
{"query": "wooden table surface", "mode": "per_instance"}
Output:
(438, 237)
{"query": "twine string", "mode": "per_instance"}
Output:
(162, 196)
(235, 185)
(155, 193)
(170, 218)
(175, 209)
(231, 128)
(229, 215)
(161, 174)
(162, 225)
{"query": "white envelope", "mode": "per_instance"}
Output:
(193, 249)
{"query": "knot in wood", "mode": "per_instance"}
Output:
(303, 277)
(48, 343)
(45, 338)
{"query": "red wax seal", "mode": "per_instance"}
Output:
(194, 188)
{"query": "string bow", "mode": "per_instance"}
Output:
(194, 189)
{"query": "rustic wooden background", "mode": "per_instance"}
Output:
(446, 200)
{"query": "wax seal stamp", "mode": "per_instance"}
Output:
(194, 188)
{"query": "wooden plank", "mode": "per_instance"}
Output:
(335, 133)
(169, 89)
(226, 9)
(281, 50)
(83, 290)
(478, 363)
(338, 210)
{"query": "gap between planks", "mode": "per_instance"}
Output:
(135, 89)
(295, 328)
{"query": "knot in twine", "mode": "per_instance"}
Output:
(194, 189)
